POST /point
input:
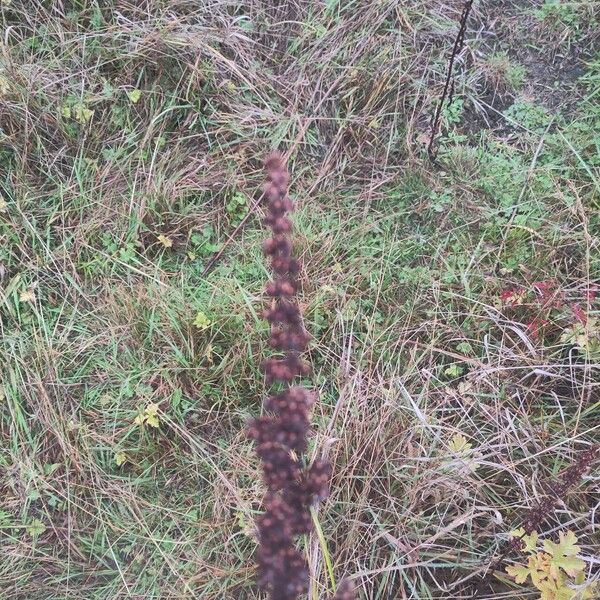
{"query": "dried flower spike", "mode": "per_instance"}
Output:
(281, 435)
(544, 508)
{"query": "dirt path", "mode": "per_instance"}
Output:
(527, 50)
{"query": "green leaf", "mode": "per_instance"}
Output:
(176, 397)
(464, 347)
(34, 495)
(530, 542)
(454, 371)
(36, 528)
(567, 545)
(569, 564)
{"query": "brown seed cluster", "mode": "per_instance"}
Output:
(281, 435)
(558, 491)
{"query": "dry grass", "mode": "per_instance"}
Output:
(405, 268)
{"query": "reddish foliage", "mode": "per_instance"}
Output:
(510, 296)
(549, 293)
(535, 327)
(549, 296)
(579, 313)
(591, 293)
(513, 296)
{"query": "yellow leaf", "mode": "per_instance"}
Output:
(519, 572)
(151, 409)
(149, 416)
(152, 420)
(82, 114)
(120, 458)
(134, 96)
(566, 547)
(458, 444)
(208, 353)
(554, 572)
(27, 296)
(569, 564)
(165, 241)
(564, 555)
(529, 541)
(202, 321)
(3, 204)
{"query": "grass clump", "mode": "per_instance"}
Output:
(453, 306)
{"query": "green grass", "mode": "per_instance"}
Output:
(131, 143)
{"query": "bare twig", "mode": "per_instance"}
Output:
(449, 84)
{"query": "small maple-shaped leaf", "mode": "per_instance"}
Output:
(548, 589)
(565, 593)
(202, 321)
(27, 296)
(571, 565)
(564, 555)
(82, 114)
(120, 458)
(519, 572)
(134, 95)
(36, 528)
(529, 541)
(167, 242)
(153, 422)
(539, 566)
(151, 414)
(458, 444)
